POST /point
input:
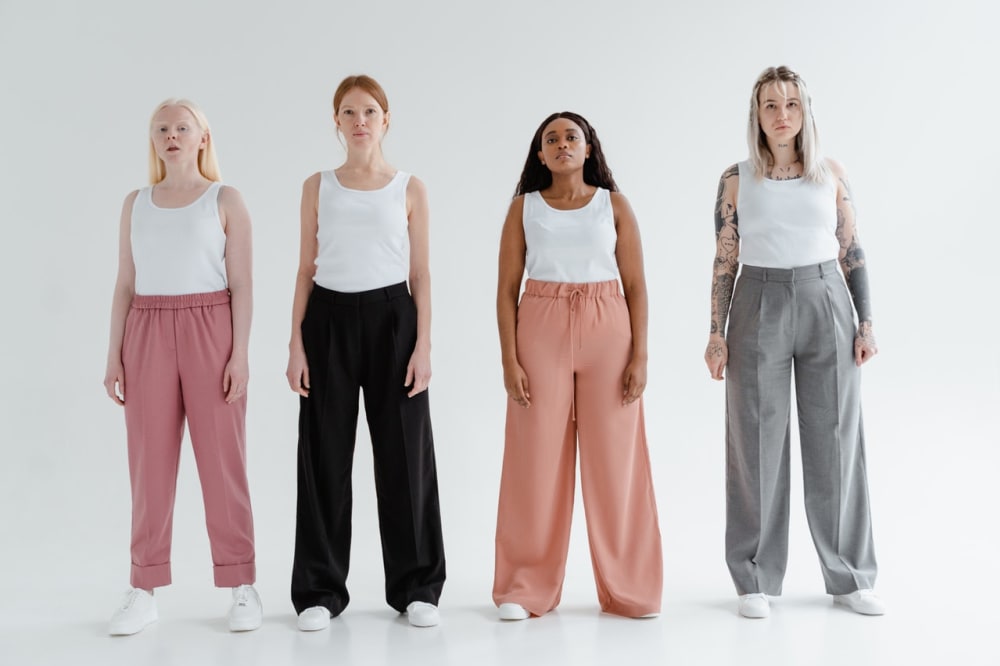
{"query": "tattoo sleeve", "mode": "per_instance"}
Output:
(727, 244)
(852, 257)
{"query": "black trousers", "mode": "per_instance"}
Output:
(364, 341)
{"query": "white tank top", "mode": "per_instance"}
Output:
(786, 223)
(178, 250)
(570, 245)
(364, 240)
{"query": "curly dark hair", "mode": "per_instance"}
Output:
(536, 176)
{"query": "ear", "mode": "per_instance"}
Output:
(587, 155)
(204, 140)
(540, 158)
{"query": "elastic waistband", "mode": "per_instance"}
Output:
(181, 301)
(360, 297)
(789, 274)
(568, 289)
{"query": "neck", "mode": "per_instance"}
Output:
(783, 154)
(182, 175)
(365, 160)
(569, 186)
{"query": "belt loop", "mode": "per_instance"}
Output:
(764, 274)
(821, 273)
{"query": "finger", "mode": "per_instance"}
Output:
(305, 380)
(409, 376)
(859, 353)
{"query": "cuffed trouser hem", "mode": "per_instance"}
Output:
(148, 577)
(234, 575)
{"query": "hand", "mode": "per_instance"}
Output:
(235, 378)
(298, 372)
(418, 371)
(635, 381)
(115, 375)
(716, 355)
(864, 344)
(515, 381)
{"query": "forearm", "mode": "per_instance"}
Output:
(507, 324)
(638, 314)
(723, 282)
(120, 303)
(420, 289)
(856, 275)
(241, 304)
(303, 288)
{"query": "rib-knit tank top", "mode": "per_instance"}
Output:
(570, 245)
(363, 235)
(786, 223)
(178, 250)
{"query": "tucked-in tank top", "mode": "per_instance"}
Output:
(178, 250)
(363, 235)
(570, 245)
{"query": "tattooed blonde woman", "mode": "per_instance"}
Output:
(785, 214)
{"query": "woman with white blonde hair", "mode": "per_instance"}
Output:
(180, 328)
(786, 214)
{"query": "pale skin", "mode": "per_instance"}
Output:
(564, 152)
(781, 120)
(363, 123)
(178, 139)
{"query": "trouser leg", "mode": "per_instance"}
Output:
(154, 420)
(615, 477)
(327, 429)
(827, 384)
(758, 397)
(403, 451)
(218, 437)
(539, 464)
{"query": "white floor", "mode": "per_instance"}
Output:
(695, 628)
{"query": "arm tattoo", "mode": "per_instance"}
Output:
(726, 263)
(852, 257)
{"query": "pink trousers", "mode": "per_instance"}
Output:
(174, 354)
(574, 342)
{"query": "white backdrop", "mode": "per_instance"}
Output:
(903, 96)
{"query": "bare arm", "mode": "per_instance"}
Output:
(239, 275)
(418, 372)
(724, 269)
(121, 301)
(854, 265)
(511, 271)
(628, 252)
(298, 371)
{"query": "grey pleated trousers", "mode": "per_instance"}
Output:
(785, 321)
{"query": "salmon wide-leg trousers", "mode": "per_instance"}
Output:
(574, 342)
(175, 353)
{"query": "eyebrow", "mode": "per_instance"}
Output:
(787, 99)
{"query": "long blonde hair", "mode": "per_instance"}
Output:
(208, 165)
(806, 141)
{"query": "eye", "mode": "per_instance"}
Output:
(371, 112)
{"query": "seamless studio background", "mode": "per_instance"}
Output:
(902, 97)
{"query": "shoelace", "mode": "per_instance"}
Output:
(129, 599)
(241, 595)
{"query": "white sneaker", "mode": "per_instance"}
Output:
(246, 613)
(137, 610)
(755, 606)
(314, 618)
(511, 611)
(865, 602)
(423, 614)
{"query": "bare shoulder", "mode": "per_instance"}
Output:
(836, 168)
(516, 206)
(130, 199)
(312, 182)
(732, 171)
(230, 196)
(415, 186)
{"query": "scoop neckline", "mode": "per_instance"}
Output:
(336, 179)
(568, 210)
(201, 196)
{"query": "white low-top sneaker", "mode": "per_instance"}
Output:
(137, 610)
(755, 606)
(511, 611)
(865, 602)
(314, 618)
(246, 613)
(423, 614)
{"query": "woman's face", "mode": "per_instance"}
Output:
(176, 135)
(564, 148)
(360, 118)
(780, 111)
